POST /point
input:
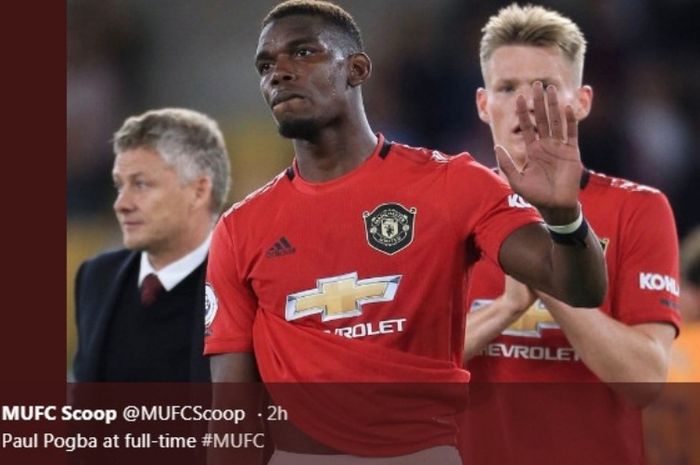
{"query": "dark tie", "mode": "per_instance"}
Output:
(150, 289)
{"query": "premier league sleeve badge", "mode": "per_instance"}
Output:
(211, 305)
(390, 227)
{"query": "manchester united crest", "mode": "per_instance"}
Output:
(390, 227)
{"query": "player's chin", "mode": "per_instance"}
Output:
(298, 127)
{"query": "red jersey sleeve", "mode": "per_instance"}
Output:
(485, 207)
(231, 303)
(647, 286)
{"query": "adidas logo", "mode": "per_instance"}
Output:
(281, 247)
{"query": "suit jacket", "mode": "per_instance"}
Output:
(97, 286)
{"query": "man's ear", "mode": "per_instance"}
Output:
(482, 97)
(201, 192)
(360, 69)
(584, 102)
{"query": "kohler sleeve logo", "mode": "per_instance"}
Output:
(658, 282)
(516, 201)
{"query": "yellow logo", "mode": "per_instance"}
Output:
(341, 296)
(530, 324)
(533, 321)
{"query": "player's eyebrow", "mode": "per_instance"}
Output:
(515, 81)
(508, 81)
(265, 54)
(128, 177)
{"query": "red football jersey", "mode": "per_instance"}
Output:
(360, 279)
(377, 256)
(637, 231)
(573, 418)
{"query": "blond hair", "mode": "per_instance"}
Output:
(536, 26)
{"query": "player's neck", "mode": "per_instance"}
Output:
(335, 151)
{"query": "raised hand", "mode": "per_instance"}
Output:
(551, 175)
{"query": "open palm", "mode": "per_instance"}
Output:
(550, 178)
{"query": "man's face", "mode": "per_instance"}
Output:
(303, 75)
(512, 70)
(153, 206)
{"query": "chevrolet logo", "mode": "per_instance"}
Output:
(341, 296)
(531, 324)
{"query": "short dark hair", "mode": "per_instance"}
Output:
(328, 11)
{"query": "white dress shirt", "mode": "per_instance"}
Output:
(171, 275)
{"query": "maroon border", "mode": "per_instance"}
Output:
(32, 339)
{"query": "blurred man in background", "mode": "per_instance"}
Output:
(515, 334)
(140, 310)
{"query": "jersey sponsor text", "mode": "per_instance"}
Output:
(658, 282)
(394, 325)
(516, 201)
(557, 354)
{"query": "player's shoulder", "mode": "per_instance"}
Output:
(431, 159)
(622, 187)
(626, 198)
(259, 198)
